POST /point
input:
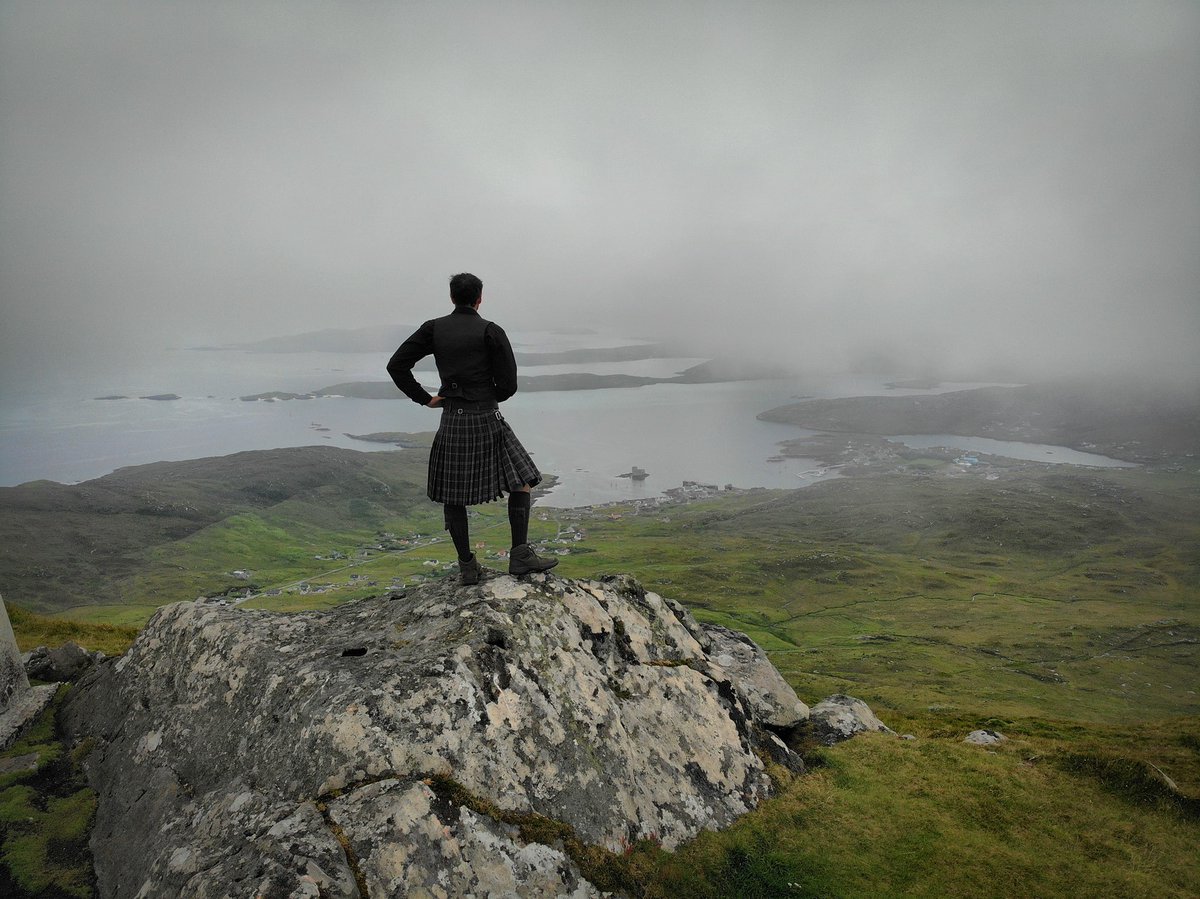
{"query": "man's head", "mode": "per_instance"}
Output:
(465, 289)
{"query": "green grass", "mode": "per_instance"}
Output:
(33, 630)
(158, 533)
(937, 817)
(859, 586)
(128, 617)
(45, 817)
(1061, 610)
(278, 546)
(1058, 607)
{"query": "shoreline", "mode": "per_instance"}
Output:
(1122, 421)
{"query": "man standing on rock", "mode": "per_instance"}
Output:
(475, 457)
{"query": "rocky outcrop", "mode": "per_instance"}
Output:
(773, 700)
(240, 752)
(409, 841)
(839, 717)
(62, 663)
(985, 737)
(19, 702)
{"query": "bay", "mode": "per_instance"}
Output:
(56, 428)
(1011, 449)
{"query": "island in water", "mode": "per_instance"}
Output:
(402, 439)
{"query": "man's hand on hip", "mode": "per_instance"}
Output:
(434, 402)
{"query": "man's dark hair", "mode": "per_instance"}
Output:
(465, 289)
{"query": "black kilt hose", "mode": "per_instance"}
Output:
(476, 458)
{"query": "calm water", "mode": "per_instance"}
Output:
(1033, 452)
(702, 432)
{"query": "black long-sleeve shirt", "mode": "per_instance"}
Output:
(474, 359)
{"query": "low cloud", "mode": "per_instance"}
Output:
(951, 186)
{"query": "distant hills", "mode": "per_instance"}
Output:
(63, 545)
(1123, 420)
(328, 340)
(710, 372)
(386, 339)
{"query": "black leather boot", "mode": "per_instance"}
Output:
(470, 571)
(523, 560)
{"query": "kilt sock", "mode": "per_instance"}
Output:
(518, 516)
(456, 524)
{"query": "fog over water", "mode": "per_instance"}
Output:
(956, 185)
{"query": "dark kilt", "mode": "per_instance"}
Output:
(475, 458)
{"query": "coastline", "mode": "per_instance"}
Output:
(1123, 421)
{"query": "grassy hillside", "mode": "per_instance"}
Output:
(1059, 607)
(114, 540)
(1054, 604)
(935, 817)
(1128, 420)
(1071, 595)
(1060, 592)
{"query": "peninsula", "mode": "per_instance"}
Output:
(1128, 421)
(713, 371)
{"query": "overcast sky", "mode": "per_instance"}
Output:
(949, 180)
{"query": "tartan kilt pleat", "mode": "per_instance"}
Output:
(476, 458)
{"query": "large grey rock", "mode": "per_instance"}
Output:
(233, 745)
(63, 663)
(840, 717)
(985, 737)
(771, 697)
(13, 680)
(19, 702)
(406, 845)
(233, 843)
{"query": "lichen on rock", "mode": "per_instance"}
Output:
(840, 717)
(241, 751)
